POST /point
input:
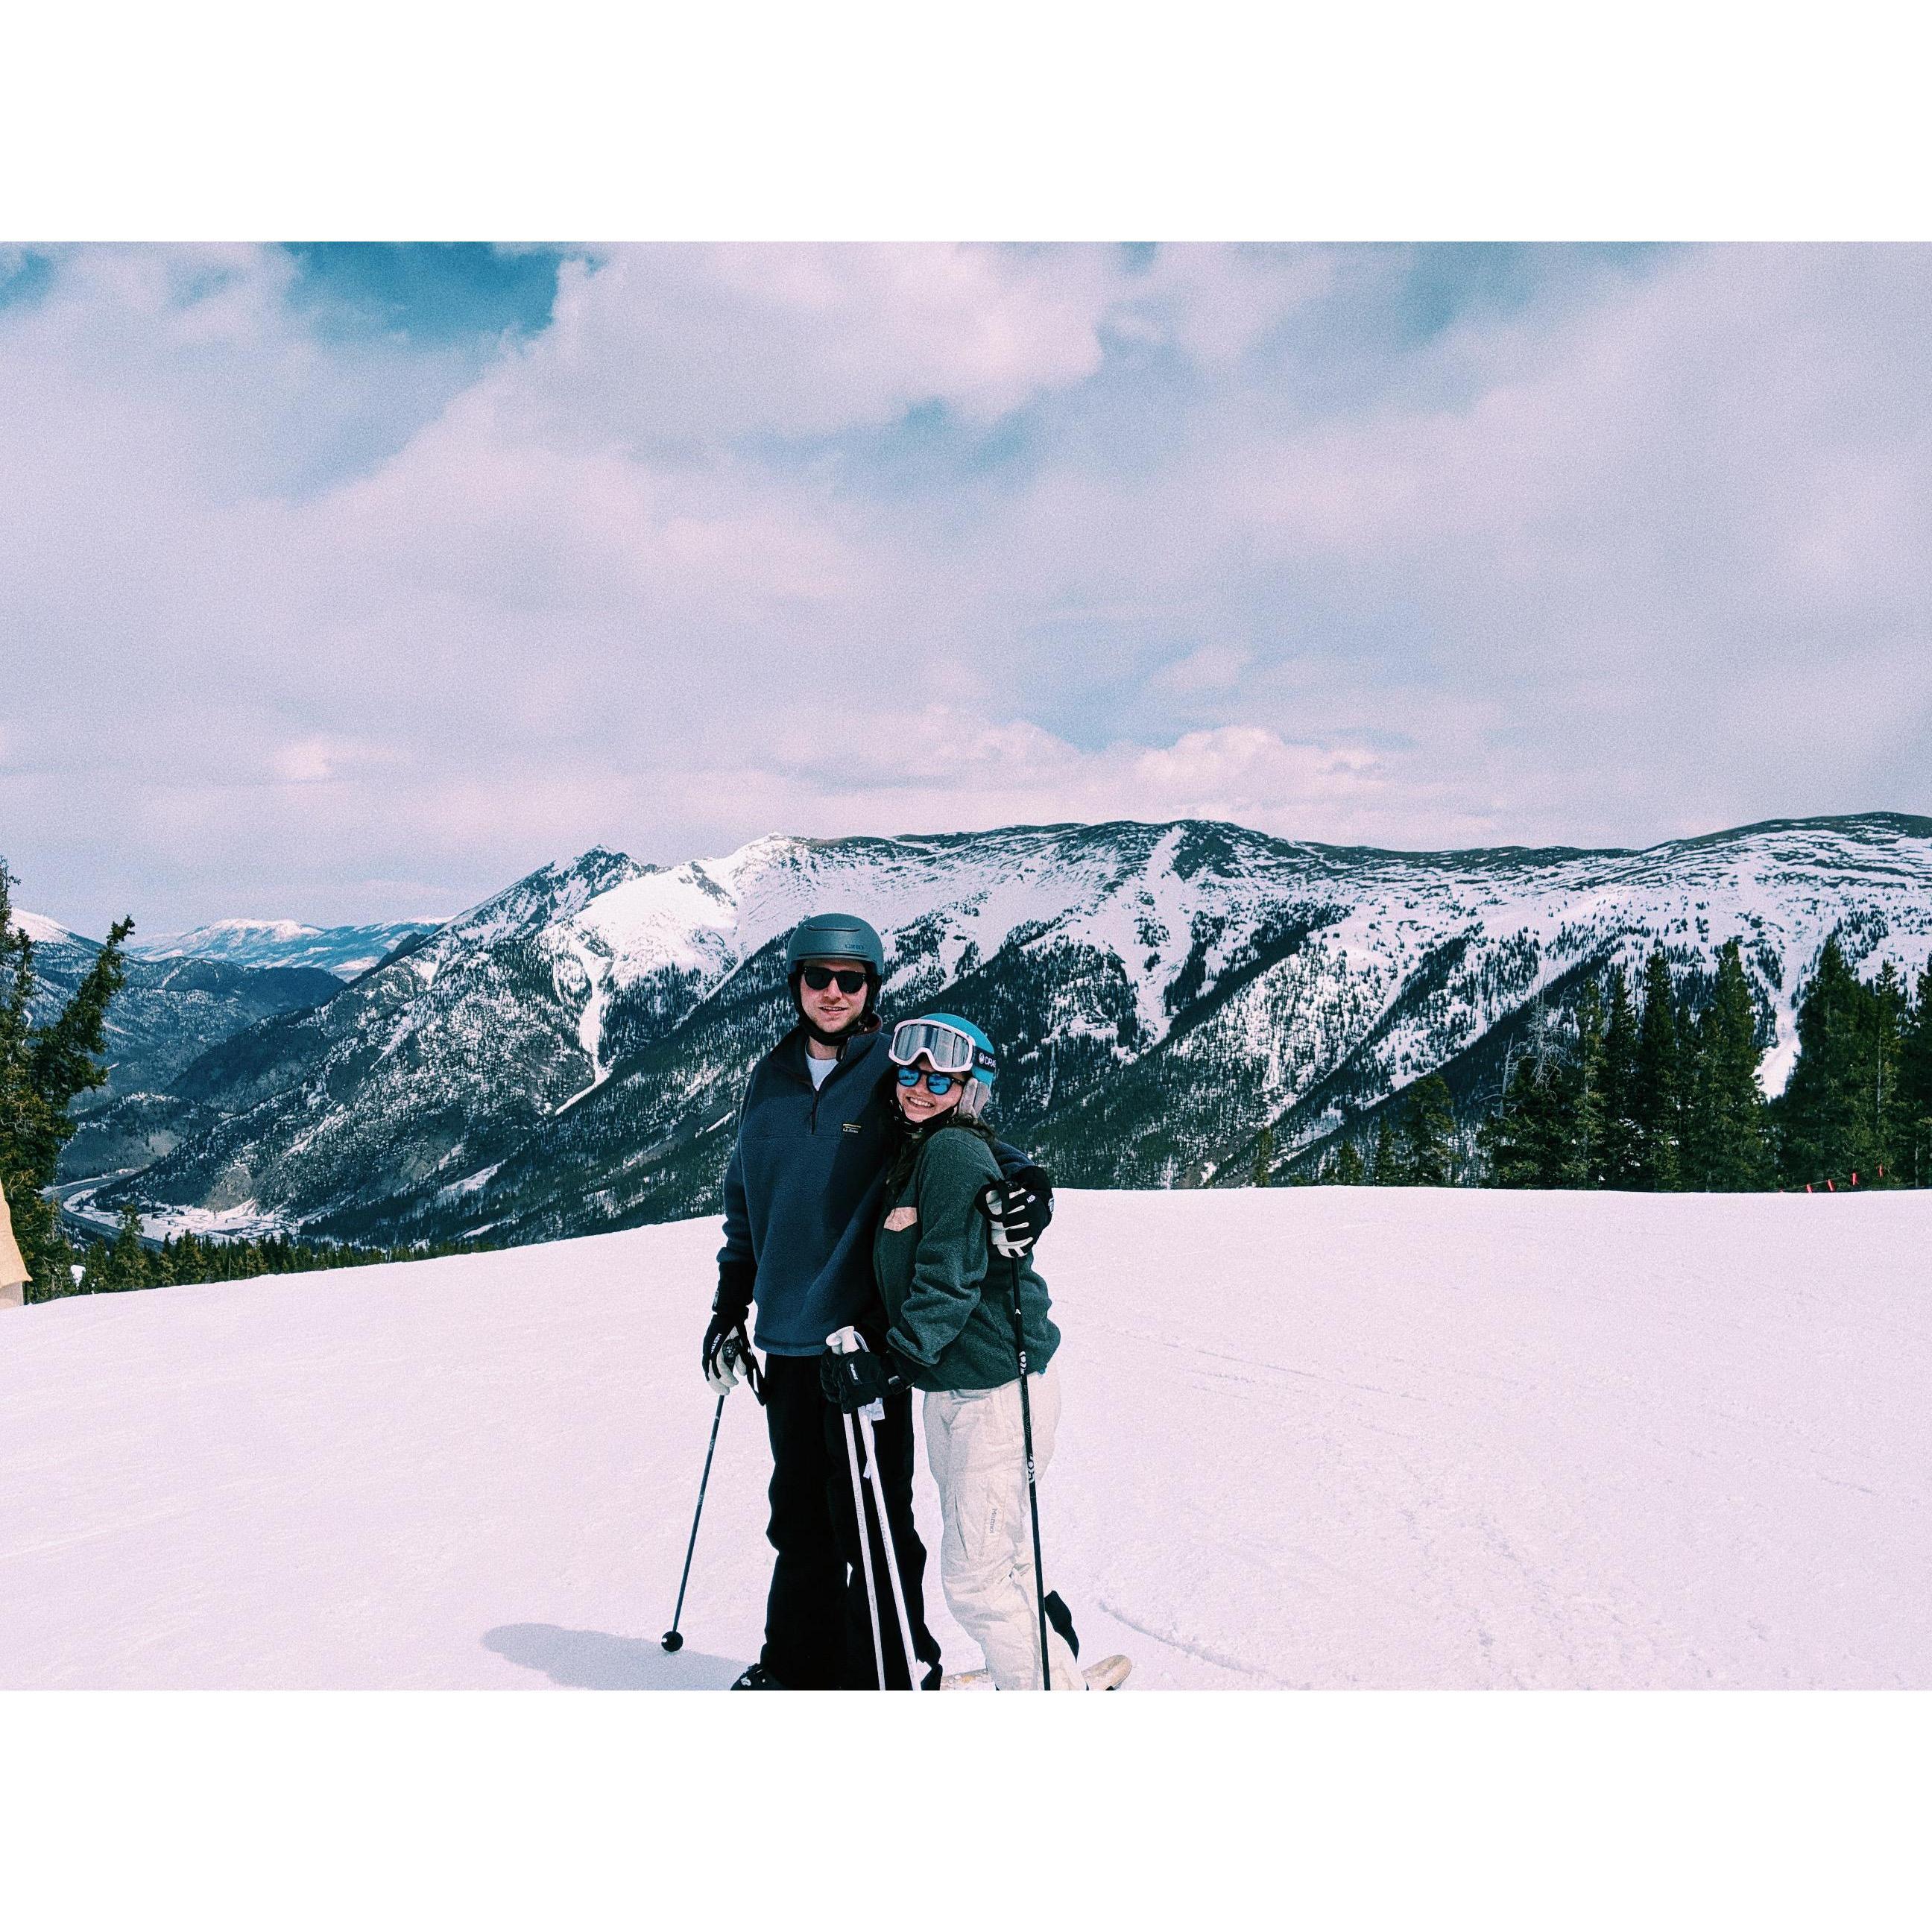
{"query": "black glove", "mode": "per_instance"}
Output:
(728, 1357)
(850, 1381)
(1019, 1206)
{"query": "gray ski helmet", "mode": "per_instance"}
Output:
(834, 935)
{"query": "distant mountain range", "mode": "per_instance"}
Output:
(168, 1012)
(568, 1055)
(344, 950)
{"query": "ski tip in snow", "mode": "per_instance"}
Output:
(1109, 1674)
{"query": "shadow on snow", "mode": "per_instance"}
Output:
(595, 1661)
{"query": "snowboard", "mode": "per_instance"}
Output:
(1109, 1674)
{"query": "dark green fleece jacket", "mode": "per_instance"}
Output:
(944, 1289)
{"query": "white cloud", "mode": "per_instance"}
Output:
(664, 346)
(1210, 666)
(284, 617)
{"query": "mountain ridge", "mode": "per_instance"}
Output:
(566, 1054)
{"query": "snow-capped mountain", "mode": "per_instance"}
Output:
(569, 1055)
(344, 950)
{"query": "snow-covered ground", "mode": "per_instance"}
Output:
(1319, 1436)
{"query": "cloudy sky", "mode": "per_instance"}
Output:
(350, 582)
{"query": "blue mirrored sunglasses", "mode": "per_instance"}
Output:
(938, 1085)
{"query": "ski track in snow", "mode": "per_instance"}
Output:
(1319, 1437)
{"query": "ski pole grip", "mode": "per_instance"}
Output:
(846, 1341)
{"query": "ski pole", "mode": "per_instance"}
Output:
(913, 1674)
(988, 1199)
(850, 1342)
(671, 1640)
(864, 1544)
(1033, 1487)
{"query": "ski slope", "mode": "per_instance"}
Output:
(1318, 1437)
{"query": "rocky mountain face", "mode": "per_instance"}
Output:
(569, 1055)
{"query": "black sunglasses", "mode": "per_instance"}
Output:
(819, 977)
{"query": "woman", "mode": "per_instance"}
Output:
(949, 1333)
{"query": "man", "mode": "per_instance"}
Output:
(12, 1269)
(801, 1195)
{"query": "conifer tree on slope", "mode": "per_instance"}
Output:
(1914, 1153)
(1387, 1170)
(1528, 1138)
(1656, 1105)
(1346, 1169)
(1725, 1147)
(123, 1262)
(1263, 1157)
(1617, 1161)
(1429, 1134)
(1886, 1011)
(42, 1070)
(1580, 1096)
(1818, 1113)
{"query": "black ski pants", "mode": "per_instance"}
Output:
(818, 1631)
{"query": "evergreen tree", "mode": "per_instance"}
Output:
(124, 1262)
(1429, 1134)
(1819, 1113)
(1914, 1087)
(1656, 1105)
(1580, 1096)
(1616, 1163)
(1347, 1169)
(42, 1070)
(1726, 1146)
(1387, 1168)
(1887, 1010)
(1263, 1157)
(1527, 1138)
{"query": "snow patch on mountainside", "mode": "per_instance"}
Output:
(679, 920)
(592, 968)
(344, 950)
(45, 932)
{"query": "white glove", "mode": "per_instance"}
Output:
(734, 1364)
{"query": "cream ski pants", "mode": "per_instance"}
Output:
(976, 1451)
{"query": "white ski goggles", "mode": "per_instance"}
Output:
(949, 1050)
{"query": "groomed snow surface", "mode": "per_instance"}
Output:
(1318, 1437)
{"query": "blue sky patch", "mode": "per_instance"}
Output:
(435, 292)
(25, 274)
